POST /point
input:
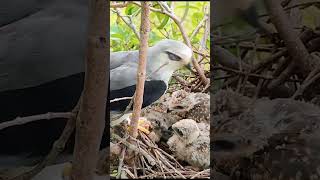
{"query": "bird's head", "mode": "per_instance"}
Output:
(187, 130)
(169, 54)
(181, 101)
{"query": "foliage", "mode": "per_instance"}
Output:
(122, 37)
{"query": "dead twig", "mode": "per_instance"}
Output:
(57, 148)
(28, 119)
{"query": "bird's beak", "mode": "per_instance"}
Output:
(189, 66)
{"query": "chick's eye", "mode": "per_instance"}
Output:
(173, 57)
(178, 107)
(178, 131)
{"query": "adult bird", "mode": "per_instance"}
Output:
(42, 70)
(163, 59)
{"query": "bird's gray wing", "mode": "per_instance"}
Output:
(43, 47)
(123, 76)
(14, 10)
(123, 57)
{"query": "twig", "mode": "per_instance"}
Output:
(121, 162)
(201, 172)
(119, 5)
(130, 24)
(185, 12)
(150, 159)
(28, 119)
(57, 148)
(199, 26)
(311, 78)
(294, 44)
(120, 99)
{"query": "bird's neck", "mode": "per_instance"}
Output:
(160, 72)
(158, 69)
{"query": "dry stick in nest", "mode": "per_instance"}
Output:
(165, 161)
(305, 36)
(133, 147)
(312, 77)
(296, 48)
(121, 162)
(57, 148)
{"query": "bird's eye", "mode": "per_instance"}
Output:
(178, 131)
(173, 57)
(178, 107)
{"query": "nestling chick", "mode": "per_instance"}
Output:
(272, 139)
(194, 106)
(190, 143)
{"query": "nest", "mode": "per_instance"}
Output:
(150, 161)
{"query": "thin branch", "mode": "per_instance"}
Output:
(141, 75)
(128, 23)
(57, 148)
(120, 99)
(294, 44)
(119, 5)
(28, 119)
(150, 159)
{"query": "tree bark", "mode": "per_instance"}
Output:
(91, 119)
(141, 75)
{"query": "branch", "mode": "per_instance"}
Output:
(130, 24)
(57, 148)
(119, 5)
(91, 120)
(295, 46)
(141, 75)
(120, 99)
(201, 24)
(28, 119)
(150, 159)
(311, 78)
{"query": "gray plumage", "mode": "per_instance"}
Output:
(43, 36)
(163, 59)
(123, 65)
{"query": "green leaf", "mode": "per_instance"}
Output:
(131, 9)
(190, 6)
(160, 16)
(164, 22)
